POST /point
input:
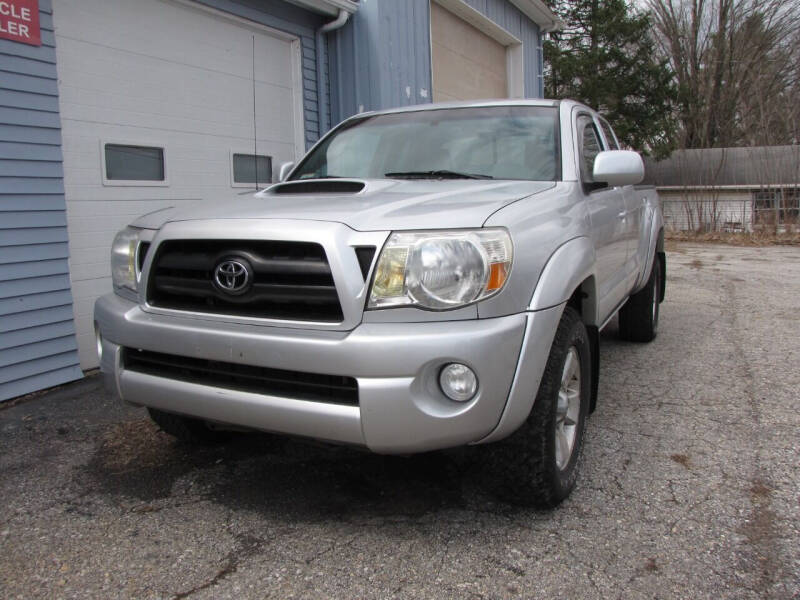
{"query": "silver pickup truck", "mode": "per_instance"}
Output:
(424, 278)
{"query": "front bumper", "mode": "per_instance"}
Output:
(401, 408)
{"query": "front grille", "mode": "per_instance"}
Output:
(332, 389)
(289, 280)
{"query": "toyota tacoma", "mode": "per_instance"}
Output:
(425, 277)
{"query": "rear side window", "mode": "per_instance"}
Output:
(611, 139)
(590, 147)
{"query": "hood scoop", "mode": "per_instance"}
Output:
(318, 186)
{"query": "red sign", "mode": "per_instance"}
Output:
(19, 21)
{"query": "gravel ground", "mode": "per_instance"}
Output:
(689, 486)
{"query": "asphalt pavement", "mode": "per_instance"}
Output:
(690, 485)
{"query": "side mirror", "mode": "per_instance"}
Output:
(284, 171)
(618, 167)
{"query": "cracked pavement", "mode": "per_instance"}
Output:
(689, 486)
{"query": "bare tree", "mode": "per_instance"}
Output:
(736, 66)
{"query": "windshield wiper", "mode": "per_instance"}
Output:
(438, 174)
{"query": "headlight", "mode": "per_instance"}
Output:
(123, 259)
(441, 269)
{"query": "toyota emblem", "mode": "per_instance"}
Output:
(232, 276)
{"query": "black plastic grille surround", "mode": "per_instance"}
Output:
(289, 280)
(365, 254)
(142, 254)
(331, 389)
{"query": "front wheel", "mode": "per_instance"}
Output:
(545, 453)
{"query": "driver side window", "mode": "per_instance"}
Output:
(590, 147)
(611, 138)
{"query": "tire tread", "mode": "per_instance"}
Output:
(527, 456)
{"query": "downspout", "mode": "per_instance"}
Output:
(322, 82)
(540, 66)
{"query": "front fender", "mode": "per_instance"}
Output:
(567, 268)
(572, 264)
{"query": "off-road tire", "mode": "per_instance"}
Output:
(186, 429)
(532, 474)
(638, 318)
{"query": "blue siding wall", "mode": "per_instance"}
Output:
(382, 57)
(292, 19)
(37, 335)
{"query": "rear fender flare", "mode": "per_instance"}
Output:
(656, 245)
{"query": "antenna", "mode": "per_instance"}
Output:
(255, 129)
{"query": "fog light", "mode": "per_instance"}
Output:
(98, 339)
(458, 382)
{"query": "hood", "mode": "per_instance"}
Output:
(367, 205)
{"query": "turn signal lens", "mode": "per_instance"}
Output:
(498, 273)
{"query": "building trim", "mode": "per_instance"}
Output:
(537, 11)
(479, 21)
(328, 7)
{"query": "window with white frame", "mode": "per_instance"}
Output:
(132, 164)
(250, 170)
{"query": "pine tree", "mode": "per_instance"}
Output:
(605, 57)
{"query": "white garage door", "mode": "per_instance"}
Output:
(157, 107)
(467, 63)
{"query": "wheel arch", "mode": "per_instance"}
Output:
(569, 276)
(584, 301)
(655, 249)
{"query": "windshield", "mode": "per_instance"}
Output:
(499, 142)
